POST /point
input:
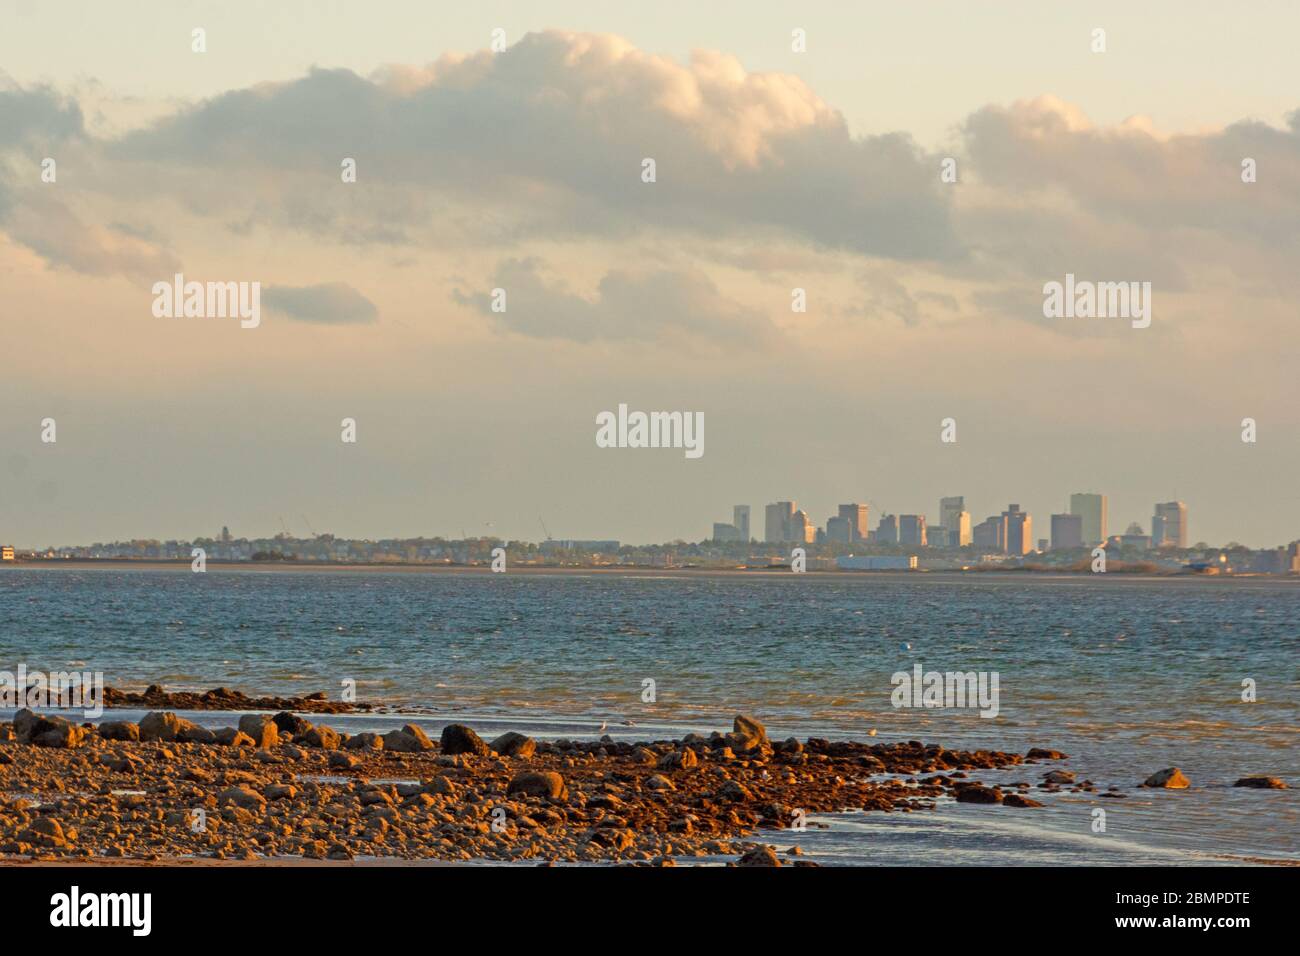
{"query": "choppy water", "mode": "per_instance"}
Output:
(1126, 675)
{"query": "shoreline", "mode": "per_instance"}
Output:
(280, 787)
(971, 574)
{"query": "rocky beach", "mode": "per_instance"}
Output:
(280, 786)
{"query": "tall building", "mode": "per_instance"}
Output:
(911, 530)
(1067, 532)
(802, 530)
(740, 518)
(1092, 509)
(887, 530)
(991, 533)
(777, 522)
(856, 515)
(1169, 525)
(1020, 530)
(725, 532)
(955, 519)
(839, 530)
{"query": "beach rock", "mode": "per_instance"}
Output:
(343, 761)
(261, 729)
(977, 793)
(1262, 783)
(399, 741)
(160, 725)
(1016, 800)
(1058, 776)
(244, 797)
(734, 792)
(281, 791)
(747, 735)
(364, 741)
(290, 724)
(56, 732)
(119, 730)
(194, 734)
(440, 785)
(1039, 753)
(1170, 779)
(459, 739)
(658, 782)
(679, 760)
(326, 738)
(545, 784)
(231, 737)
(23, 723)
(759, 856)
(511, 744)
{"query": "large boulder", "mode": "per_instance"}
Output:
(119, 730)
(56, 732)
(261, 728)
(544, 784)
(759, 856)
(231, 737)
(1170, 779)
(511, 744)
(409, 740)
(459, 739)
(364, 741)
(161, 725)
(194, 734)
(747, 735)
(1262, 783)
(291, 725)
(683, 759)
(326, 738)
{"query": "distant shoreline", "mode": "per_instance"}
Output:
(301, 567)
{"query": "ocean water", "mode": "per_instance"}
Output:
(1126, 675)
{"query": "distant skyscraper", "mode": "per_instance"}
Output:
(955, 519)
(887, 530)
(1092, 509)
(1169, 525)
(740, 518)
(911, 530)
(802, 530)
(856, 515)
(991, 533)
(777, 524)
(1020, 530)
(725, 532)
(1067, 532)
(839, 530)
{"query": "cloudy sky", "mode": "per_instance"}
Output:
(522, 170)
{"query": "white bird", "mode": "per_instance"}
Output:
(604, 724)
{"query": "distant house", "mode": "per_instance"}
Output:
(7, 553)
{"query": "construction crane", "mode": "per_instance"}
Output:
(287, 532)
(544, 531)
(309, 527)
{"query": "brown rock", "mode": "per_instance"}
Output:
(543, 784)
(1262, 783)
(511, 744)
(459, 739)
(1170, 779)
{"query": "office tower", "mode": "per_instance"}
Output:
(991, 533)
(740, 518)
(955, 519)
(1169, 525)
(1020, 530)
(1067, 532)
(802, 530)
(856, 515)
(911, 530)
(1092, 509)
(887, 530)
(937, 536)
(777, 522)
(725, 532)
(839, 530)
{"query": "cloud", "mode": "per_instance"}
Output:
(333, 303)
(657, 305)
(550, 136)
(36, 113)
(52, 230)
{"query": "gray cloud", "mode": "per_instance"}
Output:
(334, 303)
(36, 113)
(657, 305)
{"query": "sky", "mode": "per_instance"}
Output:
(522, 169)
